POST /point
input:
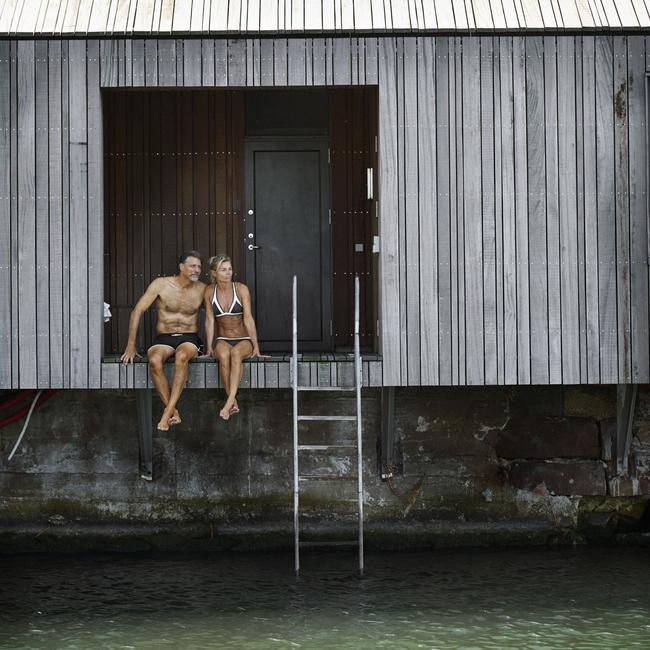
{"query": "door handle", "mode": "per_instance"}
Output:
(252, 247)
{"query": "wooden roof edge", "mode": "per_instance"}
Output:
(329, 33)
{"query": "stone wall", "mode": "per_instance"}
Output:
(473, 466)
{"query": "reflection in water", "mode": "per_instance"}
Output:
(533, 598)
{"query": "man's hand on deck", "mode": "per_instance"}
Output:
(130, 353)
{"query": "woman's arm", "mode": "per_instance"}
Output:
(249, 322)
(209, 320)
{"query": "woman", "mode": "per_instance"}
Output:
(228, 304)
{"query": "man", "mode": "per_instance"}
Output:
(178, 300)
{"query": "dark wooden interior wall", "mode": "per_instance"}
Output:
(353, 130)
(173, 181)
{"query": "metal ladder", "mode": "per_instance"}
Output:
(298, 447)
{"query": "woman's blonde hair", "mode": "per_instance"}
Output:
(217, 260)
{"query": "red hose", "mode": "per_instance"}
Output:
(21, 396)
(25, 410)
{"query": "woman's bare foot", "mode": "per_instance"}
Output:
(168, 419)
(225, 412)
(234, 409)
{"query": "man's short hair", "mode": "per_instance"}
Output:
(186, 254)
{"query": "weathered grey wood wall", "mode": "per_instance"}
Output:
(518, 177)
(513, 210)
(512, 197)
(51, 216)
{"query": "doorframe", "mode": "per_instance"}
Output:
(279, 142)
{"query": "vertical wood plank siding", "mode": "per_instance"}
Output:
(512, 188)
(25, 243)
(6, 235)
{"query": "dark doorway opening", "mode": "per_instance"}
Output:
(286, 215)
(183, 168)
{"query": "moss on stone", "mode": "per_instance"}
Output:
(593, 402)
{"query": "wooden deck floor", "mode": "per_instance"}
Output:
(313, 370)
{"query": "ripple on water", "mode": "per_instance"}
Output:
(485, 599)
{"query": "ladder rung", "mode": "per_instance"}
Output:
(324, 447)
(329, 418)
(345, 446)
(332, 543)
(327, 477)
(328, 388)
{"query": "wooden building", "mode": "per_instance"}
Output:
(482, 164)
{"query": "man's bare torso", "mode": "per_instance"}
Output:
(178, 307)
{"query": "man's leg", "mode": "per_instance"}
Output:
(240, 352)
(157, 355)
(185, 352)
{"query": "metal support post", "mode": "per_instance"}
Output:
(388, 461)
(625, 406)
(145, 432)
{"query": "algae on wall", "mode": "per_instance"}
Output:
(78, 468)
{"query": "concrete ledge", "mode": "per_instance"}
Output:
(246, 537)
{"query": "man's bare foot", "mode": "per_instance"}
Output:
(175, 419)
(225, 412)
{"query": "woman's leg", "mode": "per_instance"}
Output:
(238, 353)
(222, 356)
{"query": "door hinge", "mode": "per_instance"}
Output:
(375, 144)
(329, 215)
(331, 329)
(328, 156)
(370, 189)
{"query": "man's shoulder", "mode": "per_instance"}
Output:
(157, 283)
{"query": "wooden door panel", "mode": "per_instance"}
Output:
(288, 193)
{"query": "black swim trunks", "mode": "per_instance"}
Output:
(174, 340)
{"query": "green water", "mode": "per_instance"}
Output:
(540, 598)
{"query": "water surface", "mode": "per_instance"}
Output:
(533, 598)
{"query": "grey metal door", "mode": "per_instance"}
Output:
(287, 232)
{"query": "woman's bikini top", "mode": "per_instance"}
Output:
(236, 309)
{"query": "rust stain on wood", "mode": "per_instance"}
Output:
(619, 103)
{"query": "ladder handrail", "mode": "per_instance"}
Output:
(294, 387)
(358, 380)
